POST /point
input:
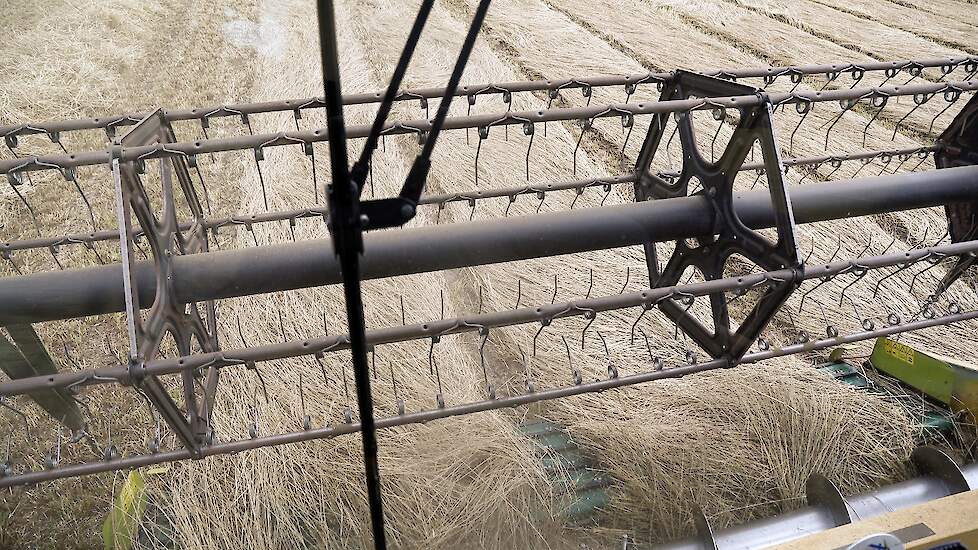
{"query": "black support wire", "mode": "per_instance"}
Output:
(347, 232)
(359, 172)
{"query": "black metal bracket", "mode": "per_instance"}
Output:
(958, 146)
(709, 253)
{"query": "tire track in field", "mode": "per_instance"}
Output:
(883, 50)
(897, 22)
(600, 148)
(788, 45)
(949, 5)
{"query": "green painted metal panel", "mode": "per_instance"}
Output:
(27, 357)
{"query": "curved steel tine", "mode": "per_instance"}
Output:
(512, 200)
(576, 374)
(887, 159)
(54, 455)
(585, 126)
(673, 135)
(950, 102)
(403, 317)
(837, 250)
(253, 429)
(292, 228)
(397, 398)
(259, 156)
(551, 95)
(604, 343)
(923, 158)
(590, 315)
(441, 297)
(5, 466)
(526, 372)
(804, 296)
(821, 309)
(913, 281)
(98, 257)
(318, 356)
(892, 242)
(757, 179)
(832, 125)
(261, 378)
(54, 249)
(860, 273)
(110, 451)
(483, 135)
(810, 250)
(630, 124)
(251, 230)
(645, 309)
(6, 255)
(528, 130)
(480, 299)
(544, 323)
(879, 283)
(869, 245)
(10, 407)
(880, 105)
(306, 419)
(519, 292)
(15, 180)
(433, 364)
(154, 444)
(71, 175)
(577, 194)
(484, 338)
(136, 240)
(472, 209)
(115, 354)
(553, 298)
(590, 285)
(542, 196)
(713, 141)
(628, 276)
(607, 192)
(924, 238)
(835, 168)
(829, 78)
(918, 104)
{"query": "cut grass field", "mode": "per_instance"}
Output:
(739, 443)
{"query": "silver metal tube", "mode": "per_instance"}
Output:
(230, 273)
(300, 104)
(260, 141)
(813, 519)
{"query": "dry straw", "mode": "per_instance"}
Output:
(740, 443)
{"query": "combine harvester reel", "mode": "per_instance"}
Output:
(173, 292)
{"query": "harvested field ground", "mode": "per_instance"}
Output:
(739, 443)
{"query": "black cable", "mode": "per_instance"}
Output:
(347, 231)
(359, 172)
(414, 185)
